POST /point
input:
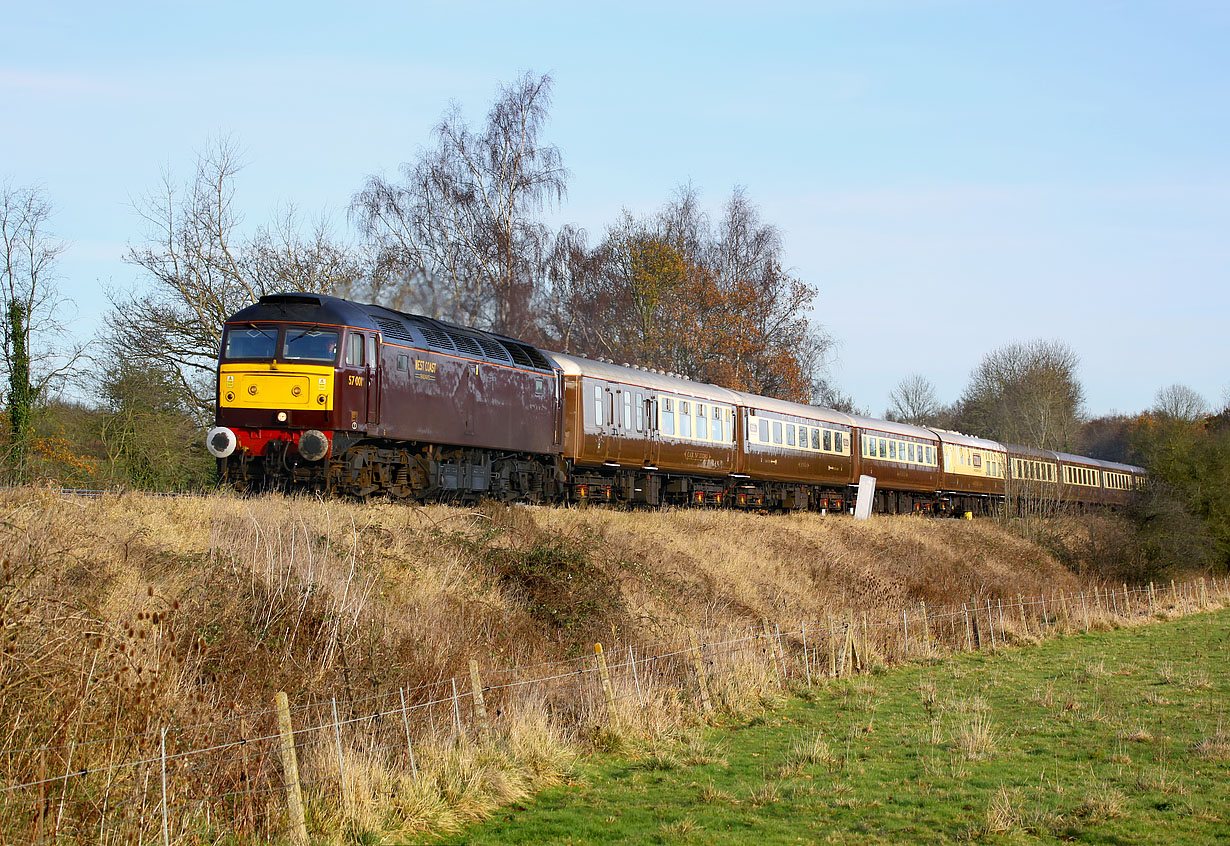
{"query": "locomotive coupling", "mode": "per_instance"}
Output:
(220, 442)
(313, 445)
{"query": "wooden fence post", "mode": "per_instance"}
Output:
(865, 653)
(1127, 601)
(991, 623)
(166, 822)
(781, 652)
(1020, 601)
(290, 772)
(607, 691)
(457, 711)
(480, 704)
(926, 628)
(777, 663)
(806, 659)
(405, 721)
(832, 638)
(1085, 612)
(636, 677)
(341, 764)
(702, 681)
(905, 635)
(969, 635)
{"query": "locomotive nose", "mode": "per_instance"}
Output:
(220, 442)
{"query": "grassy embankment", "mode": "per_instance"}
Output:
(1107, 737)
(126, 615)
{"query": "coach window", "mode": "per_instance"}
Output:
(627, 411)
(789, 434)
(892, 450)
(777, 432)
(597, 405)
(911, 449)
(354, 350)
(668, 416)
(883, 448)
(640, 412)
(717, 425)
(702, 422)
(828, 440)
(685, 419)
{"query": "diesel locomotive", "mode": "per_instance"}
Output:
(321, 393)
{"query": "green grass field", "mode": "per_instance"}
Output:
(1110, 737)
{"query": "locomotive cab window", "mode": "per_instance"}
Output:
(310, 345)
(251, 343)
(403, 362)
(354, 350)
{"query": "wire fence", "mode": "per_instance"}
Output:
(243, 777)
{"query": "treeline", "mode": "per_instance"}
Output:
(461, 234)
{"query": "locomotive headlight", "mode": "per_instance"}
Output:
(230, 396)
(220, 442)
(320, 400)
(281, 416)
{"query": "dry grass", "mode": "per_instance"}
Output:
(127, 614)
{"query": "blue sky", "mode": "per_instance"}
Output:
(951, 175)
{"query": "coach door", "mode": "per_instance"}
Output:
(371, 384)
(353, 380)
(653, 439)
(609, 444)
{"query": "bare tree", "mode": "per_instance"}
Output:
(202, 268)
(913, 401)
(38, 351)
(1180, 403)
(1026, 393)
(674, 291)
(458, 238)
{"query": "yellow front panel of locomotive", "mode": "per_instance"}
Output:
(276, 386)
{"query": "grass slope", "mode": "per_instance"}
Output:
(1110, 737)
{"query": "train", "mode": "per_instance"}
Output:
(326, 394)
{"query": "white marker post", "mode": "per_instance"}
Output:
(866, 493)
